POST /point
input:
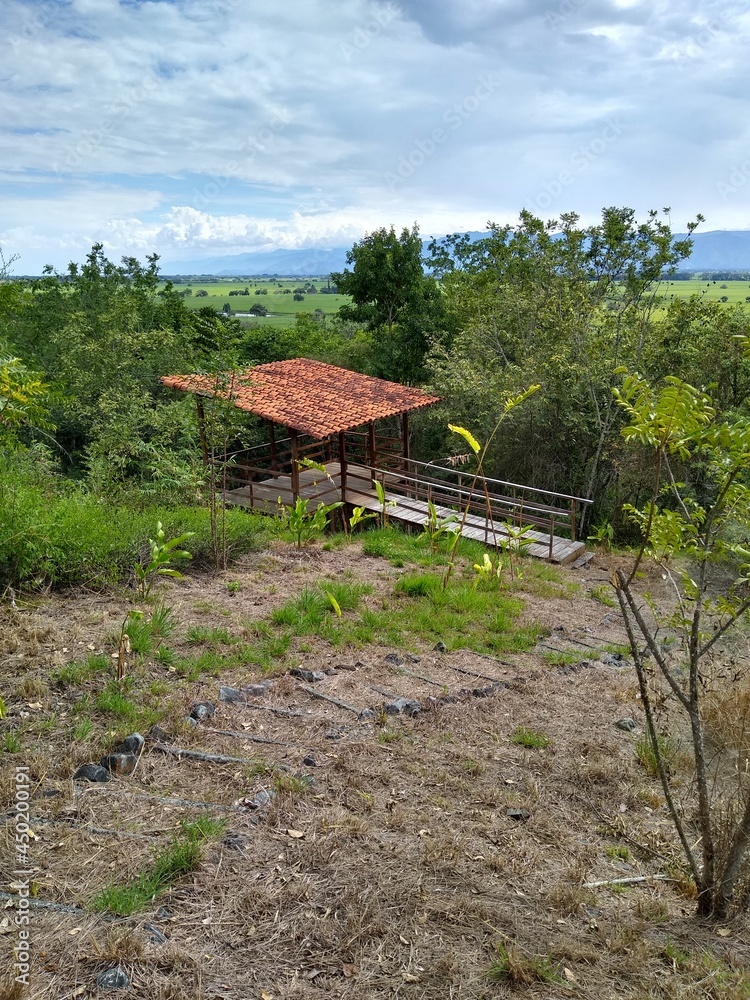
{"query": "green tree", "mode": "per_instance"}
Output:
(392, 296)
(706, 521)
(558, 304)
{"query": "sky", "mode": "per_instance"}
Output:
(201, 128)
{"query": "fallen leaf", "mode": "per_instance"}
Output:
(724, 932)
(409, 977)
(570, 977)
(402, 939)
(295, 834)
(74, 930)
(265, 996)
(349, 970)
(36, 705)
(5, 926)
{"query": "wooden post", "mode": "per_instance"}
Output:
(405, 437)
(342, 463)
(272, 442)
(295, 467)
(371, 453)
(202, 428)
(573, 526)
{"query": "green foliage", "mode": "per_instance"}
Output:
(529, 738)
(12, 743)
(163, 553)
(516, 969)
(304, 524)
(436, 528)
(180, 858)
(23, 399)
(59, 533)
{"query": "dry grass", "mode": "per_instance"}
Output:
(392, 870)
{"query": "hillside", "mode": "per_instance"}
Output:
(377, 814)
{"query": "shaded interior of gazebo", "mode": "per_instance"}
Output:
(354, 425)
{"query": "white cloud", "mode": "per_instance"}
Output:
(227, 124)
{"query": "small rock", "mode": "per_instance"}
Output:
(518, 814)
(359, 663)
(394, 658)
(263, 798)
(113, 979)
(158, 735)
(330, 671)
(366, 714)
(312, 761)
(121, 764)
(403, 706)
(440, 647)
(257, 689)
(334, 734)
(413, 659)
(48, 793)
(191, 721)
(203, 710)
(627, 725)
(155, 936)
(235, 841)
(164, 913)
(132, 744)
(559, 628)
(91, 772)
(612, 659)
(309, 676)
(231, 694)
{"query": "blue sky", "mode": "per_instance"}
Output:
(196, 128)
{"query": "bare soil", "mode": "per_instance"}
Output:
(396, 855)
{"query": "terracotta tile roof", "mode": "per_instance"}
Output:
(310, 396)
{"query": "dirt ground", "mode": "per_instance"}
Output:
(396, 856)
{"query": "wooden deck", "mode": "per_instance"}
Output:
(314, 485)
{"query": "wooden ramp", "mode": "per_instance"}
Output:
(360, 492)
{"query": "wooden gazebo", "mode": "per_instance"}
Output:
(316, 412)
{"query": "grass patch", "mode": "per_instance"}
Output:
(181, 857)
(558, 658)
(203, 634)
(603, 595)
(529, 738)
(511, 966)
(646, 754)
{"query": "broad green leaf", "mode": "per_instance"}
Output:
(467, 436)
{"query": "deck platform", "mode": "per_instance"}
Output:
(268, 494)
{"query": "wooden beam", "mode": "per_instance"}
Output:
(272, 442)
(295, 467)
(405, 436)
(342, 463)
(202, 428)
(371, 452)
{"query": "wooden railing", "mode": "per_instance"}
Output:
(493, 500)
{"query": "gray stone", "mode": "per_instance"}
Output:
(256, 690)
(612, 659)
(231, 694)
(413, 659)
(121, 764)
(394, 658)
(334, 734)
(627, 725)
(403, 706)
(158, 735)
(366, 714)
(132, 744)
(518, 814)
(440, 647)
(113, 979)
(203, 710)
(308, 676)
(263, 798)
(155, 936)
(312, 761)
(91, 772)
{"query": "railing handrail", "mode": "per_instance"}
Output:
(502, 482)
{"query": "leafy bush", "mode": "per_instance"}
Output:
(54, 532)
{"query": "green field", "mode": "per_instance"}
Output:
(277, 295)
(730, 292)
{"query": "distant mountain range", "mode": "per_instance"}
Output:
(722, 250)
